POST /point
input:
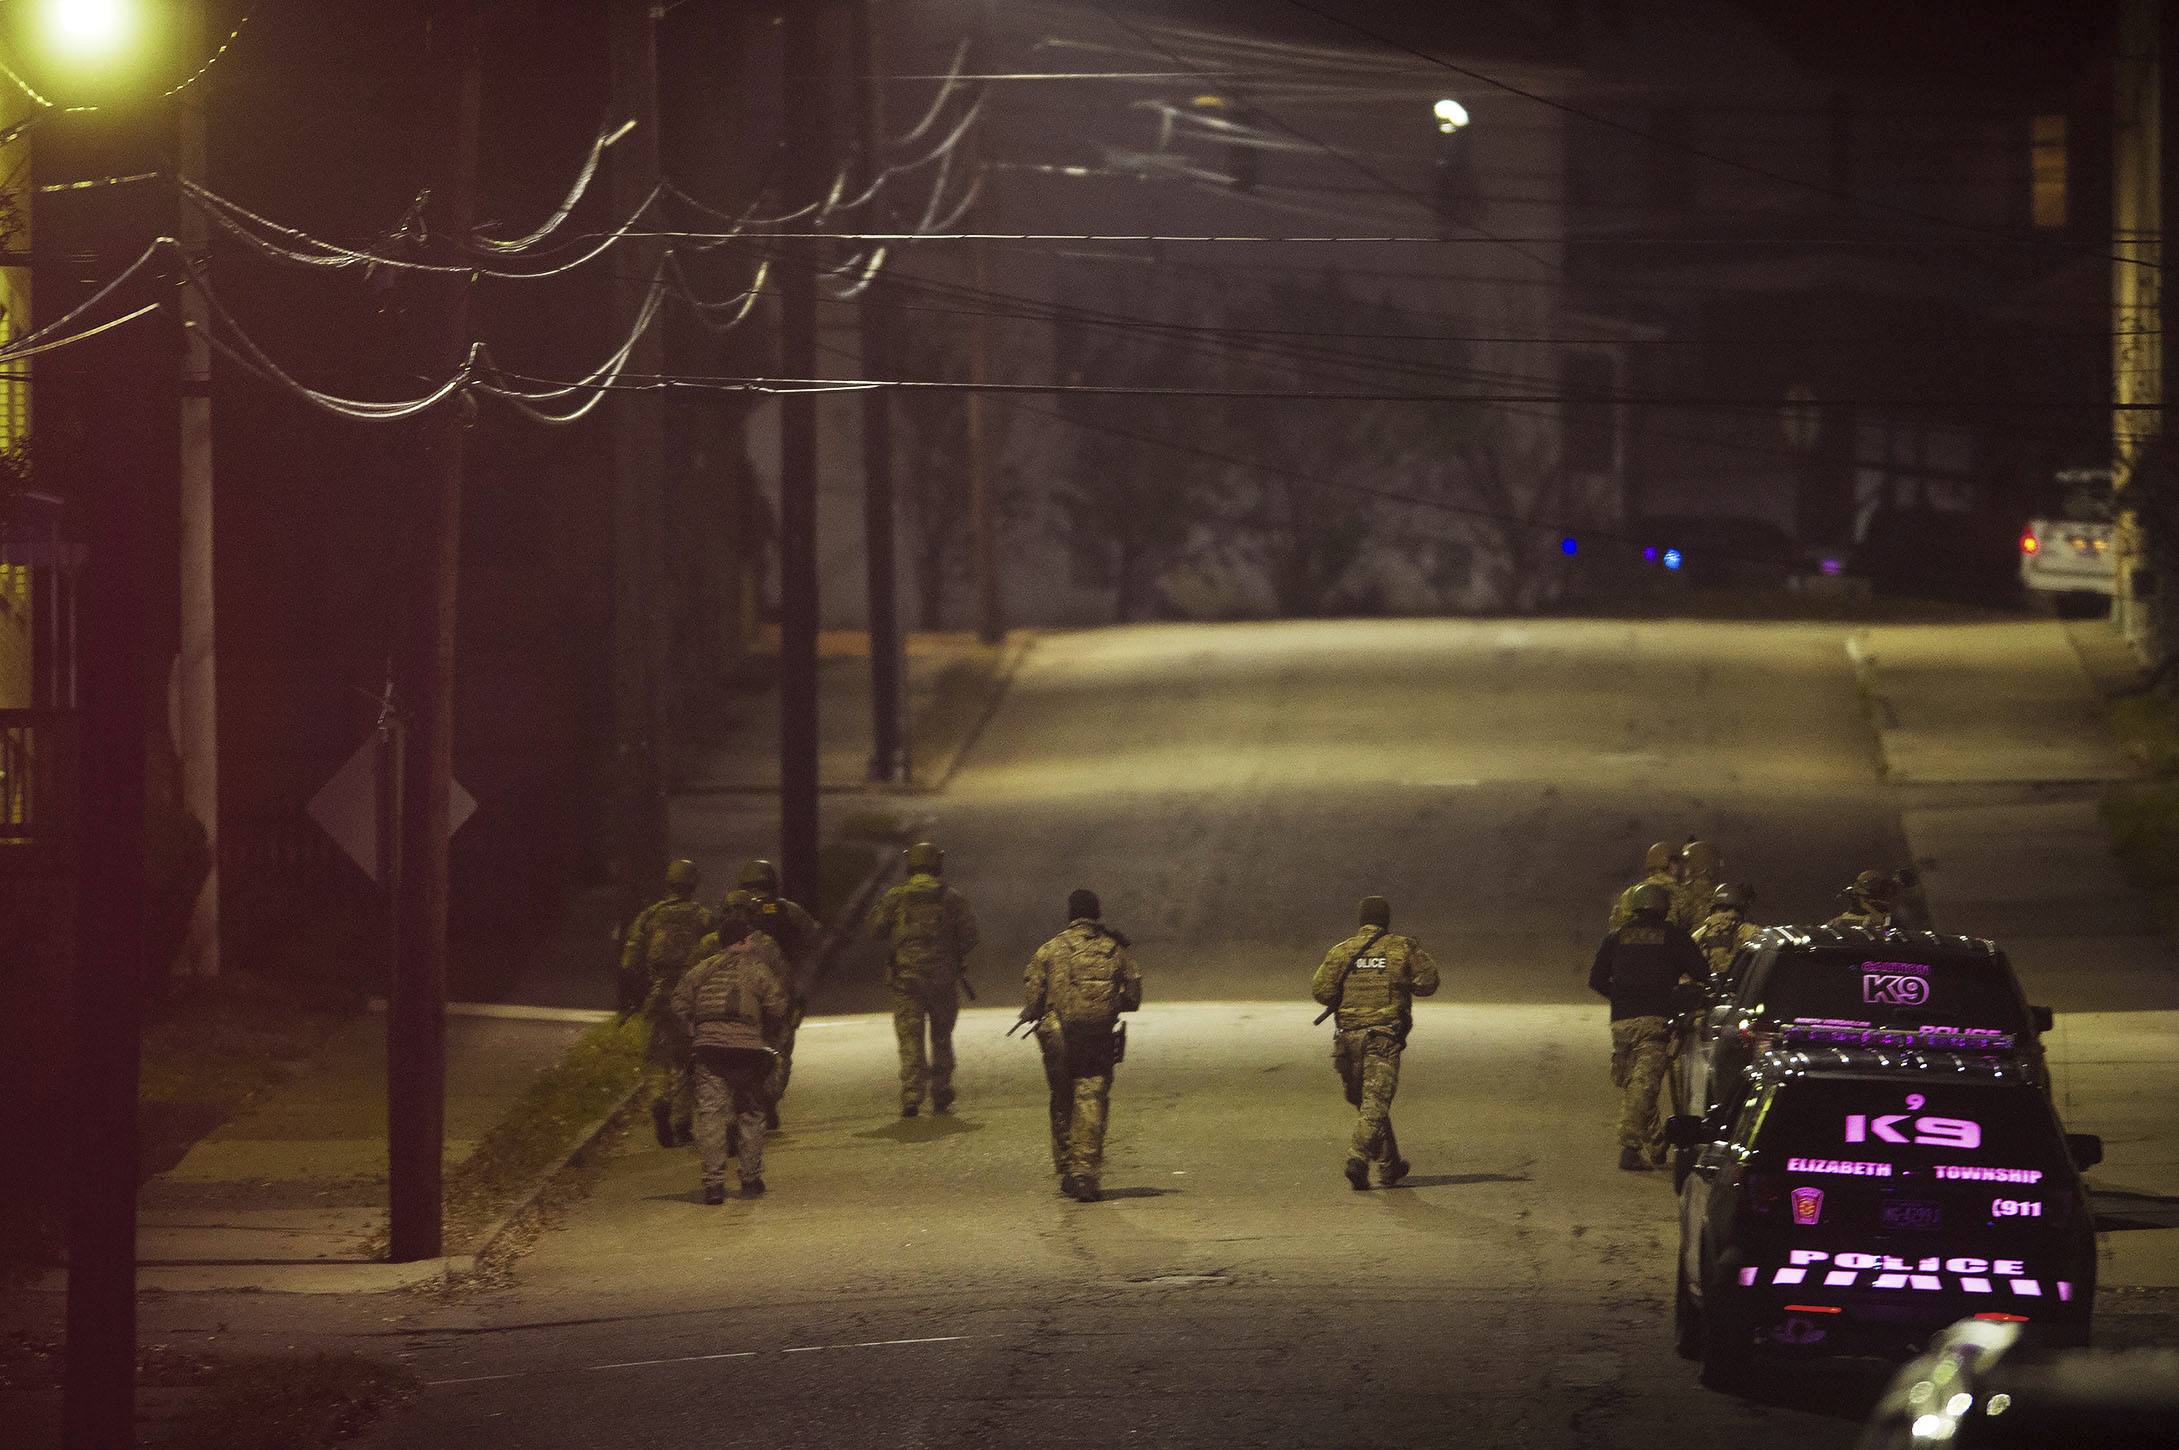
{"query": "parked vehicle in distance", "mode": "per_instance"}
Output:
(1942, 554)
(1862, 1198)
(1916, 989)
(2070, 550)
(1980, 1388)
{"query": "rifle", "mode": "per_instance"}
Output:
(967, 986)
(1019, 1023)
(1340, 987)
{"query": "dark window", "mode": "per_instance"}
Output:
(1868, 990)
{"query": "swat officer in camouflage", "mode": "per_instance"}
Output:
(1726, 928)
(1701, 864)
(1370, 981)
(930, 929)
(732, 1008)
(1870, 902)
(798, 936)
(1640, 967)
(1076, 987)
(660, 945)
(1662, 865)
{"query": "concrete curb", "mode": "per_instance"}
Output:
(455, 1266)
(458, 1265)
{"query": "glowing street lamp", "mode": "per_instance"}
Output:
(1451, 115)
(85, 32)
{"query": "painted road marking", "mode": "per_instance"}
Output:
(701, 1358)
(677, 1359)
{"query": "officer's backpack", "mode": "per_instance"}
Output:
(1085, 986)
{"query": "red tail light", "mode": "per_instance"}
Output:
(1834, 1309)
(2005, 1318)
(2029, 544)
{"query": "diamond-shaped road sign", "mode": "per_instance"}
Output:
(347, 807)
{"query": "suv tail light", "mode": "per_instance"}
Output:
(2029, 544)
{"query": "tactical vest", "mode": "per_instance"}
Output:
(1375, 984)
(774, 920)
(920, 920)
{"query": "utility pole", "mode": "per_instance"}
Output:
(118, 384)
(888, 735)
(639, 453)
(197, 673)
(424, 678)
(802, 66)
(2142, 121)
(990, 597)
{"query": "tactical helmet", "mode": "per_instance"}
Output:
(735, 918)
(1376, 911)
(682, 876)
(1082, 903)
(1650, 898)
(1701, 858)
(1660, 856)
(760, 873)
(924, 856)
(1732, 897)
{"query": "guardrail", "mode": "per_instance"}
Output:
(37, 775)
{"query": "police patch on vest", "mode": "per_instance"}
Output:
(1371, 964)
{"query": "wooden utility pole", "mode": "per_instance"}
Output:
(120, 385)
(2141, 163)
(639, 454)
(888, 735)
(802, 66)
(424, 688)
(197, 673)
(990, 593)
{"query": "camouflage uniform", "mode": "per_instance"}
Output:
(1691, 902)
(1372, 978)
(1622, 912)
(930, 928)
(1639, 967)
(732, 1007)
(1078, 1067)
(1721, 936)
(660, 945)
(798, 936)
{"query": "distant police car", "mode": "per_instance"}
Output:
(1914, 984)
(1862, 1197)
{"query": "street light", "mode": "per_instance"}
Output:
(1451, 115)
(94, 52)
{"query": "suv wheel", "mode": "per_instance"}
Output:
(1686, 1319)
(1726, 1344)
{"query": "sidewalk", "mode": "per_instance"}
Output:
(1996, 735)
(728, 810)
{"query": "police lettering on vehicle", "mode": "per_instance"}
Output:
(1934, 1273)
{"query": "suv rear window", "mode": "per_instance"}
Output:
(1891, 1126)
(1891, 990)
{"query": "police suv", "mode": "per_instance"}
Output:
(1854, 978)
(1866, 1192)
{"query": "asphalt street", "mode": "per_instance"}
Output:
(1230, 792)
